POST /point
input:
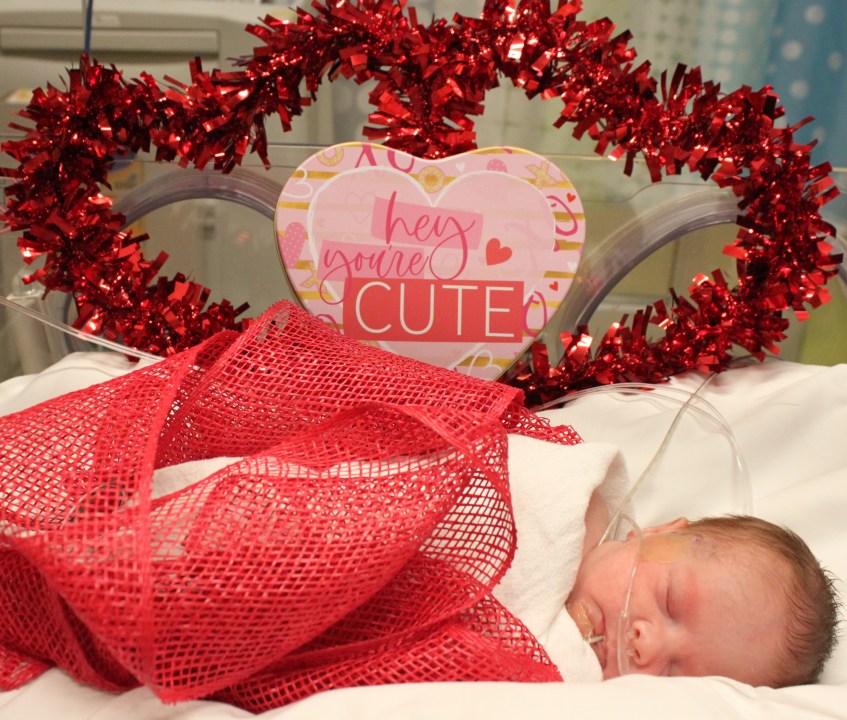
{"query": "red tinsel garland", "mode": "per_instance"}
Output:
(430, 81)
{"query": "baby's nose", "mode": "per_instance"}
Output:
(646, 648)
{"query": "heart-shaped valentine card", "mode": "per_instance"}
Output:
(458, 262)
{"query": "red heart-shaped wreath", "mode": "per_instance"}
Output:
(430, 81)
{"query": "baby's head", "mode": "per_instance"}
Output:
(794, 575)
(732, 596)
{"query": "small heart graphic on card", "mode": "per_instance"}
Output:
(495, 253)
(449, 261)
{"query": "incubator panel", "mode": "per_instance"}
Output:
(219, 231)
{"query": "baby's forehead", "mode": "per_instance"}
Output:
(736, 556)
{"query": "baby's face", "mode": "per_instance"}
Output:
(692, 611)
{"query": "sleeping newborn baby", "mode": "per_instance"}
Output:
(732, 596)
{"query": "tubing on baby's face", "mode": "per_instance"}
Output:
(658, 548)
(663, 548)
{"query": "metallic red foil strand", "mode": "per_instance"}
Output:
(429, 83)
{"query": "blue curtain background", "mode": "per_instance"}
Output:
(808, 67)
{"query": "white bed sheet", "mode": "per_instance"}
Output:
(789, 423)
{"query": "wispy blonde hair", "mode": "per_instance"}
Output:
(814, 609)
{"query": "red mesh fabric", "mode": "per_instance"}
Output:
(355, 542)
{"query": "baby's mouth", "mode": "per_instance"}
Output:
(601, 650)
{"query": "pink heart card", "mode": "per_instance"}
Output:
(459, 262)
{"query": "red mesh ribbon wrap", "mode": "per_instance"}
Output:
(355, 543)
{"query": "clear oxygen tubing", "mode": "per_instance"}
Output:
(624, 619)
(75, 333)
(689, 402)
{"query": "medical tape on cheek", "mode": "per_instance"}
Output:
(659, 548)
(583, 623)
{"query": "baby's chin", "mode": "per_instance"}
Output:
(609, 672)
(607, 656)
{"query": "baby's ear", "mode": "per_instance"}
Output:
(679, 524)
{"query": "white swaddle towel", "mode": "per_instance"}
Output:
(551, 485)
